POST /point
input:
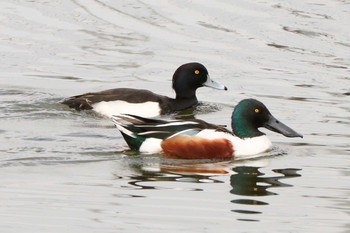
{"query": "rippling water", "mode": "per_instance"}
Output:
(68, 171)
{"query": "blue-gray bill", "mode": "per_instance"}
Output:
(214, 84)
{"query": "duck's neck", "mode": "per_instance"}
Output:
(185, 94)
(186, 98)
(243, 128)
(184, 102)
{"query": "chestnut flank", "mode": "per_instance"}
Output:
(194, 147)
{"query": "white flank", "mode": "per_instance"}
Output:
(110, 108)
(151, 145)
(243, 148)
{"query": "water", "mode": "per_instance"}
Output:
(68, 171)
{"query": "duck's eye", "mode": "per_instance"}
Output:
(257, 110)
(196, 71)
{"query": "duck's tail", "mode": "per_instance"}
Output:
(136, 129)
(124, 124)
(78, 102)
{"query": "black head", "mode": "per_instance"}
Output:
(251, 114)
(188, 77)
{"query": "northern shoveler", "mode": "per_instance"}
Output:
(186, 79)
(196, 139)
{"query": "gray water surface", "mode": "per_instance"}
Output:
(68, 171)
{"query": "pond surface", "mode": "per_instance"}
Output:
(68, 171)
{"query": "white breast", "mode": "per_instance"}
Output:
(110, 108)
(251, 147)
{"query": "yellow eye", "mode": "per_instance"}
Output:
(257, 110)
(196, 71)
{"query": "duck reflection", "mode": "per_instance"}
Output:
(248, 182)
(251, 182)
(150, 170)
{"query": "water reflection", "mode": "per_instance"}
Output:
(246, 178)
(251, 182)
(248, 184)
(152, 170)
(140, 181)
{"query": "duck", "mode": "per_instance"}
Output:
(186, 80)
(197, 139)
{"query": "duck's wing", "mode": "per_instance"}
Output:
(86, 101)
(136, 126)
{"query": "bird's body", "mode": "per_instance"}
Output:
(196, 139)
(187, 78)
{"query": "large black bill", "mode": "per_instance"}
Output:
(276, 126)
